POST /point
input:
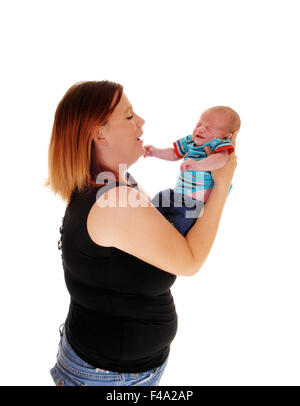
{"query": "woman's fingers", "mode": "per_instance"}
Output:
(233, 138)
(233, 159)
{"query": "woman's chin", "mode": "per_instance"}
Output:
(141, 147)
(139, 152)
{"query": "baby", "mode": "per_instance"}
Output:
(205, 150)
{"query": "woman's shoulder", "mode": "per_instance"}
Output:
(110, 201)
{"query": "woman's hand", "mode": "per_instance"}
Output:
(224, 175)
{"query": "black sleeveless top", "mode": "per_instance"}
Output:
(122, 316)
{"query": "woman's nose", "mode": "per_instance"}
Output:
(141, 122)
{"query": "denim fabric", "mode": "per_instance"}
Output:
(180, 210)
(71, 370)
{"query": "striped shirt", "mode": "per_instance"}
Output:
(191, 181)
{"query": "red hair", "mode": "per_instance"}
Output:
(85, 106)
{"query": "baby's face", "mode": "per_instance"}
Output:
(211, 125)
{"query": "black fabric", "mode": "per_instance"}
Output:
(122, 315)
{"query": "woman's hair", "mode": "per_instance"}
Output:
(85, 106)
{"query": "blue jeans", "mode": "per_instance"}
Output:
(180, 210)
(71, 370)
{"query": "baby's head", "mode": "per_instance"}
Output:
(216, 122)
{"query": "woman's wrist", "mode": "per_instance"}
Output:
(222, 185)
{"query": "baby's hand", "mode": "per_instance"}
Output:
(149, 150)
(187, 165)
(207, 150)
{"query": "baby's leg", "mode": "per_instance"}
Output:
(172, 206)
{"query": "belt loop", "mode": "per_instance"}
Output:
(102, 370)
(61, 329)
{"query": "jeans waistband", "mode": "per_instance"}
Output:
(68, 350)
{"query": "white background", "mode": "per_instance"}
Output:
(239, 316)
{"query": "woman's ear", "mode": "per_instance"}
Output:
(99, 137)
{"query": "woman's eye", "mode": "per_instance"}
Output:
(130, 117)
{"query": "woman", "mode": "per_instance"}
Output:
(120, 255)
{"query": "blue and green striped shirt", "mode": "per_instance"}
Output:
(191, 181)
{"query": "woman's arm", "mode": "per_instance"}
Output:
(127, 221)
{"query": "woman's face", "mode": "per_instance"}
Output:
(119, 143)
